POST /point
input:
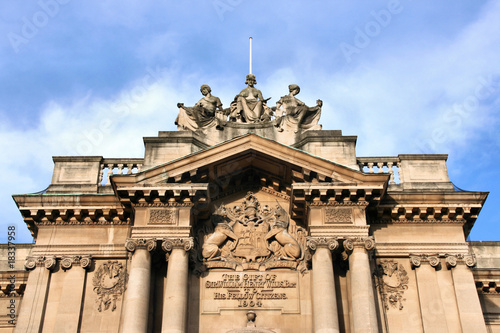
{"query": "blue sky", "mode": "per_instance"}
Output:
(404, 76)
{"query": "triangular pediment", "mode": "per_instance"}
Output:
(279, 162)
(251, 163)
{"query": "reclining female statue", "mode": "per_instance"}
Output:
(295, 113)
(202, 115)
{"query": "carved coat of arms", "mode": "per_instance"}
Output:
(109, 284)
(253, 237)
(393, 281)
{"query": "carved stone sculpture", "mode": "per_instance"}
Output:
(393, 281)
(283, 245)
(253, 236)
(109, 284)
(295, 114)
(223, 231)
(250, 106)
(202, 115)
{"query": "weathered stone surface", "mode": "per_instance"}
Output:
(264, 224)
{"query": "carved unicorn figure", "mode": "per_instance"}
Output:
(287, 248)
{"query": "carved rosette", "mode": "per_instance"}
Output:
(162, 216)
(169, 244)
(315, 242)
(109, 284)
(367, 243)
(392, 281)
(133, 244)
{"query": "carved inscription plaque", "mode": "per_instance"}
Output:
(250, 291)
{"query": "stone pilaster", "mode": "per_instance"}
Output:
(69, 309)
(34, 301)
(135, 317)
(326, 319)
(431, 304)
(469, 307)
(175, 300)
(362, 296)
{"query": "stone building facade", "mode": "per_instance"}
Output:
(253, 220)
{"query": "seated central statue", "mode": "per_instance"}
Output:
(250, 105)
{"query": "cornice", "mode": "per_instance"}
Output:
(405, 249)
(13, 288)
(161, 204)
(338, 204)
(97, 251)
(487, 281)
(417, 221)
(444, 198)
(152, 231)
(344, 231)
(162, 195)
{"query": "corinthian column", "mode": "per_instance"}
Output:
(135, 317)
(324, 299)
(362, 298)
(175, 300)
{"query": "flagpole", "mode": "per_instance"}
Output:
(250, 56)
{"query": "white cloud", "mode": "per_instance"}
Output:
(394, 96)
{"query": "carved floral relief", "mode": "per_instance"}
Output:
(252, 236)
(393, 281)
(338, 215)
(162, 216)
(109, 284)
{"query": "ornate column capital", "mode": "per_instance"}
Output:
(50, 262)
(32, 262)
(470, 260)
(368, 243)
(140, 243)
(41, 261)
(82, 261)
(169, 244)
(417, 260)
(451, 261)
(317, 242)
(454, 260)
